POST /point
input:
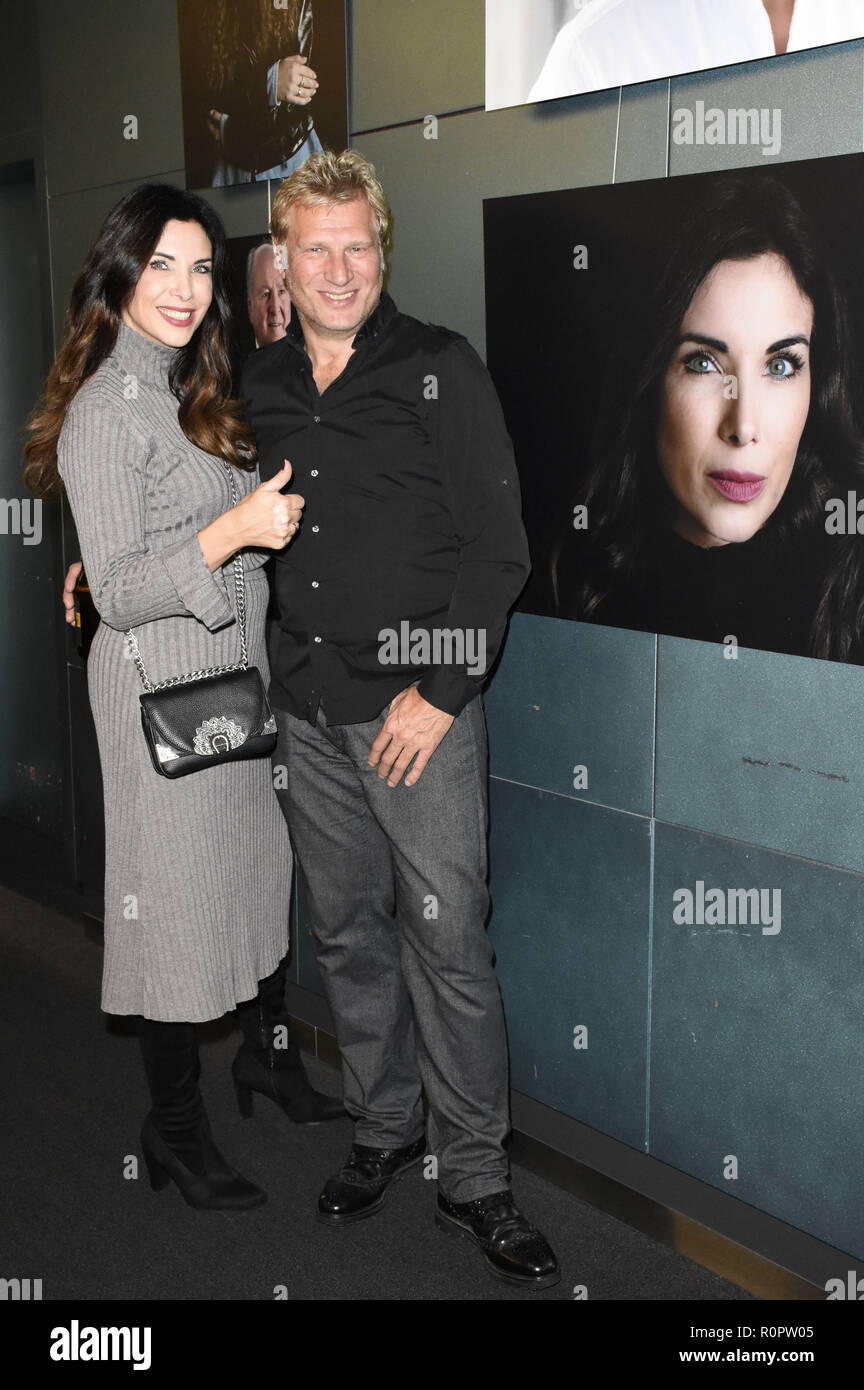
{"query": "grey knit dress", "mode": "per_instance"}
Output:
(198, 870)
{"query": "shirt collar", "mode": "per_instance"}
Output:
(376, 324)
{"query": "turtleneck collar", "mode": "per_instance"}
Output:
(141, 358)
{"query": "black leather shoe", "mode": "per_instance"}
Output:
(358, 1189)
(511, 1247)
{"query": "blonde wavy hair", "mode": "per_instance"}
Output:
(332, 178)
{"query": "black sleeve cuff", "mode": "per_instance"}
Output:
(448, 690)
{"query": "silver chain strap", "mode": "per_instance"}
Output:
(240, 594)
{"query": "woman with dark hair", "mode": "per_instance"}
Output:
(139, 422)
(724, 434)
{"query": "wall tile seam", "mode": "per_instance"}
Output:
(564, 796)
(716, 1198)
(418, 120)
(654, 821)
(617, 134)
(26, 132)
(649, 999)
(167, 174)
(754, 844)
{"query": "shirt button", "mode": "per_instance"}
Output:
(317, 639)
(314, 583)
(314, 473)
(314, 528)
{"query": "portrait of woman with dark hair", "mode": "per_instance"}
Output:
(140, 424)
(726, 425)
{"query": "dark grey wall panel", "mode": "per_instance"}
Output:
(756, 1037)
(818, 94)
(767, 748)
(244, 209)
(570, 927)
(20, 107)
(641, 151)
(437, 187)
(31, 695)
(413, 59)
(570, 696)
(101, 62)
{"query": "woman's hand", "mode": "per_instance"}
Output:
(74, 570)
(264, 518)
(296, 82)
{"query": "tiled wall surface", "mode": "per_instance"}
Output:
(729, 1052)
(727, 1048)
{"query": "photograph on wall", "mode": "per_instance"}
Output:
(538, 50)
(263, 86)
(682, 380)
(261, 303)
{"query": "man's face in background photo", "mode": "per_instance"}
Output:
(267, 299)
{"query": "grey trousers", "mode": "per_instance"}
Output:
(398, 903)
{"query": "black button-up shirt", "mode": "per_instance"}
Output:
(411, 549)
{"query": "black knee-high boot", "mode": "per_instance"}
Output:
(269, 1060)
(176, 1137)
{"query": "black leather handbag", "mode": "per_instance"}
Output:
(207, 717)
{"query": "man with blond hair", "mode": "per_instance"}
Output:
(393, 600)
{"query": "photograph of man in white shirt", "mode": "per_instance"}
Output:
(613, 43)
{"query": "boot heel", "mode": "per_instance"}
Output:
(218, 1187)
(159, 1178)
(245, 1103)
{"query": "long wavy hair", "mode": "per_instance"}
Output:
(627, 496)
(201, 372)
(234, 27)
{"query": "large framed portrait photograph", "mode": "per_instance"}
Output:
(680, 364)
(264, 84)
(537, 50)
